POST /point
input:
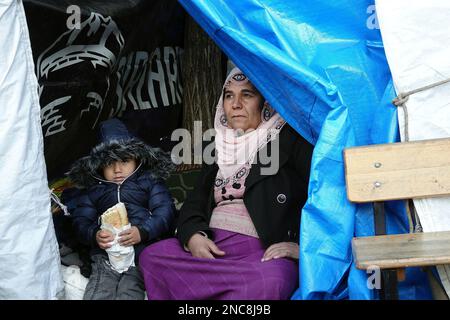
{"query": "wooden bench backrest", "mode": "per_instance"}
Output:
(405, 170)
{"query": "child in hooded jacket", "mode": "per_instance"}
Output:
(121, 168)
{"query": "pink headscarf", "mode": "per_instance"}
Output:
(234, 149)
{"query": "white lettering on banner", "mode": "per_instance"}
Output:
(97, 103)
(121, 102)
(148, 83)
(97, 48)
(144, 80)
(140, 102)
(134, 79)
(172, 73)
(372, 20)
(50, 117)
(158, 77)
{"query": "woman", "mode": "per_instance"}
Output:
(238, 230)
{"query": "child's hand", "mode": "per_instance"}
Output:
(130, 237)
(104, 238)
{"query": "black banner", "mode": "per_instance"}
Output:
(97, 59)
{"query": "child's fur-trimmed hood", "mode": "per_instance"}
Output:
(85, 171)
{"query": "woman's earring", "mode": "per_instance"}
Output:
(266, 112)
(223, 120)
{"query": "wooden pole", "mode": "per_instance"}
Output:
(203, 75)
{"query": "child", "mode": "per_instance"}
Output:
(120, 169)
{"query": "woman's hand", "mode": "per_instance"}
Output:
(281, 250)
(103, 238)
(130, 237)
(202, 247)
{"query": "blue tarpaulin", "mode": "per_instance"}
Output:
(322, 65)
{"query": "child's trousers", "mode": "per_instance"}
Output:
(107, 284)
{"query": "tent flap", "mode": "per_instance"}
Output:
(29, 255)
(322, 65)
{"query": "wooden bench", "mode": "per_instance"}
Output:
(395, 171)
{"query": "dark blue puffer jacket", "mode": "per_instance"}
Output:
(148, 202)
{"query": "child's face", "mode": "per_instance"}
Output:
(119, 170)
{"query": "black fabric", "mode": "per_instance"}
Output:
(122, 59)
(274, 221)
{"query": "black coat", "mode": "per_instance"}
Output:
(274, 202)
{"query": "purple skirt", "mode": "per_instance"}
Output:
(172, 273)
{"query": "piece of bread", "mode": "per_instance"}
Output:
(115, 216)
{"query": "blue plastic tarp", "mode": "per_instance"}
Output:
(322, 65)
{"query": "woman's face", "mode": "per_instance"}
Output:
(242, 104)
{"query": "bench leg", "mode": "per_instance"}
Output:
(388, 289)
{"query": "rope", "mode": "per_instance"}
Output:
(55, 198)
(400, 101)
(402, 98)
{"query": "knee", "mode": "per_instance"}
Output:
(154, 251)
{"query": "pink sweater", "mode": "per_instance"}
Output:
(230, 213)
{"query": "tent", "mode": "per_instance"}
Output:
(29, 256)
(321, 64)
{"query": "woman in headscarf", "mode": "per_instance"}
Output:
(238, 230)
